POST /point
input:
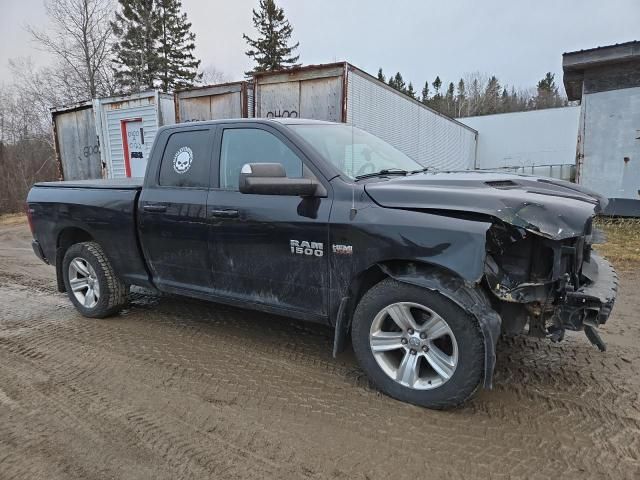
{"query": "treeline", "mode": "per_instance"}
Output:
(26, 152)
(479, 94)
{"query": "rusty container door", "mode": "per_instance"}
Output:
(228, 105)
(315, 92)
(76, 142)
(214, 102)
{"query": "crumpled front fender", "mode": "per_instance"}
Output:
(470, 298)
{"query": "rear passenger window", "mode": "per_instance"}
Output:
(252, 145)
(187, 160)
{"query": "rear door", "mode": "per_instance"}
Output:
(173, 209)
(267, 249)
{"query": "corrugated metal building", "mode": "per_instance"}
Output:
(340, 92)
(536, 142)
(213, 102)
(127, 126)
(76, 142)
(606, 80)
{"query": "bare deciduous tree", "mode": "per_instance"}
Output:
(26, 154)
(80, 38)
(211, 75)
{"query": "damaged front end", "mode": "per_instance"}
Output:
(539, 268)
(546, 284)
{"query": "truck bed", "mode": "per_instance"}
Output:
(99, 210)
(112, 184)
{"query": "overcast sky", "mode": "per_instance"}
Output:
(515, 40)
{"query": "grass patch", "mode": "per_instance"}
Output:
(622, 247)
(12, 218)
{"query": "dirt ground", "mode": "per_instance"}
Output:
(174, 388)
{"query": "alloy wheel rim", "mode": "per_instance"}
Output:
(84, 282)
(413, 345)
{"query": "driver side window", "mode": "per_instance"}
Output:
(252, 145)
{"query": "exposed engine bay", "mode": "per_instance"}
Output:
(545, 286)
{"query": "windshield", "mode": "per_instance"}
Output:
(353, 151)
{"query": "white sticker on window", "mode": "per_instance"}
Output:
(182, 160)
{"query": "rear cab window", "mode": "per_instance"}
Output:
(186, 161)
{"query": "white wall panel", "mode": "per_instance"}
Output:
(526, 139)
(611, 145)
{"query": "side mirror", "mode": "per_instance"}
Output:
(271, 179)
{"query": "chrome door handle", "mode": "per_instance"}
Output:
(224, 213)
(155, 208)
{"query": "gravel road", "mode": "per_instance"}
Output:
(175, 388)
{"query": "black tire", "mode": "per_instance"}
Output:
(113, 292)
(468, 373)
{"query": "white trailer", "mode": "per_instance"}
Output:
(536, 142)
(126, 126)
(340, 92)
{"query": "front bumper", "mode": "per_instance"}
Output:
(590, 305)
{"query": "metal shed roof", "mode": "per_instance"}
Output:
(574, 64)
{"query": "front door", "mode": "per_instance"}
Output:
(172, 211)
(267, 249)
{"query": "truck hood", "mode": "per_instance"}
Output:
(552, 208)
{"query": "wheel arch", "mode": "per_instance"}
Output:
(367, 278)
(66, 237)
(470, 297)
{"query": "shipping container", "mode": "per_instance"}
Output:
(213, 102)
(536, 142)
(127, 126)
(76, 142)
(341, 92)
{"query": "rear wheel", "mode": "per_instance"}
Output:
(417, 346)
(92, 285)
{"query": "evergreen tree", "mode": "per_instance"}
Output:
(449, 101)
(410, 91)
(381, 76)
(436, 100)
(547, 93)
(398, 83)
(271, 50)
(492, 96)
(505, 101)
(425, 93)
(461, 99)
(136, 57)
(437, 83)
(178, 65)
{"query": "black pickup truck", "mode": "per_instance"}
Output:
(323, 222)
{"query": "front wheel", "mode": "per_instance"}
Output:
(92, 285)
(417, 346)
